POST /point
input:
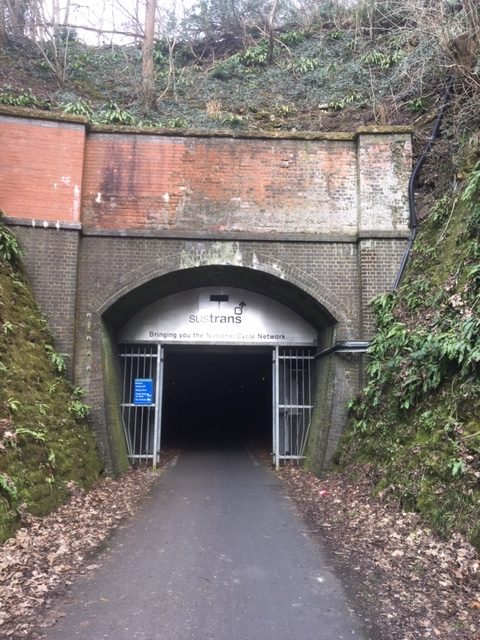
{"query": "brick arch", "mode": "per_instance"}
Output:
(288, 273)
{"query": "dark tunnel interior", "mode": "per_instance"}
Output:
(217, 397)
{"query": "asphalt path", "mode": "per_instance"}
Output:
(217, 552)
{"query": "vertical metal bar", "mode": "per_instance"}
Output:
(143, 411)
(298, 411)
(276, 408)
(308, 399)
(148, 411)
(130, 409)
(125, 400)
(303, 423)
(288, 431)
(147, 365)
(283, 401)
(283, 390)
(137, 445)
(158, 407)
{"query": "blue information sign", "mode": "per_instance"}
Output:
(143, 391)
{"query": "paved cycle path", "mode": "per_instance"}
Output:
(218, 552)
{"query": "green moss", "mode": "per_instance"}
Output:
(111, 376)
(44, 445)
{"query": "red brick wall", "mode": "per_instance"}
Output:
(219, 184)
(41, 172)
(56, 171)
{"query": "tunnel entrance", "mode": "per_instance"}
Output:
(217, 396)
(217, 366)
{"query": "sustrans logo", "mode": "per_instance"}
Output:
(211, 318)
(217, 318)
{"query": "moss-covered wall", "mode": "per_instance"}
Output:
(111, 381)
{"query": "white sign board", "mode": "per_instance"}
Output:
(218, 315)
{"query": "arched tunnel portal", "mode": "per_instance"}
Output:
(221, 355)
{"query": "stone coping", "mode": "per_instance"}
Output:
(39, 223)
(56, 116)
(225, 236)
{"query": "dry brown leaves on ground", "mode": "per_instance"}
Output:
(44, 555)
(417, 585)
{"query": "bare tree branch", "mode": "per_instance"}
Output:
(130, 34)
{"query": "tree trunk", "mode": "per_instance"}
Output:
(66, 15)
(148, 67)
(271, 20)
(3, 28)
(17, 16)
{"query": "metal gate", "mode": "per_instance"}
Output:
(293, 385)
(142, 380)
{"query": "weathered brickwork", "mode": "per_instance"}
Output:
(112, 221)
(51, 258)
(383, 176)
(379, 259)
(220, 185)
(42, 169)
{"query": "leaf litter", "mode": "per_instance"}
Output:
(413, 584)
(46, 553)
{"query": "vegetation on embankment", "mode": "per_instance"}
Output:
(330, 66)
(44, 440)
(416, 424)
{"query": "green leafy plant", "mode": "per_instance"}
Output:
(440, 211)
(36, 435)
(7, 487)
(230, 68)
(113, 114)
(415, 294)
(232, 120)
(76, 406)
(7, 327)
(351, 98)
(13, 405)
(52, 388)
(177, 123)
(304, 64)
(457, 467)
(42, 408)
(256, 55)
(10, 249)
(22, 99)
(416, 105)
(472, 189)
(382, 60)
(293, 37)
(57, 359)
(79, 108)
(51, 458)
(335, 35)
